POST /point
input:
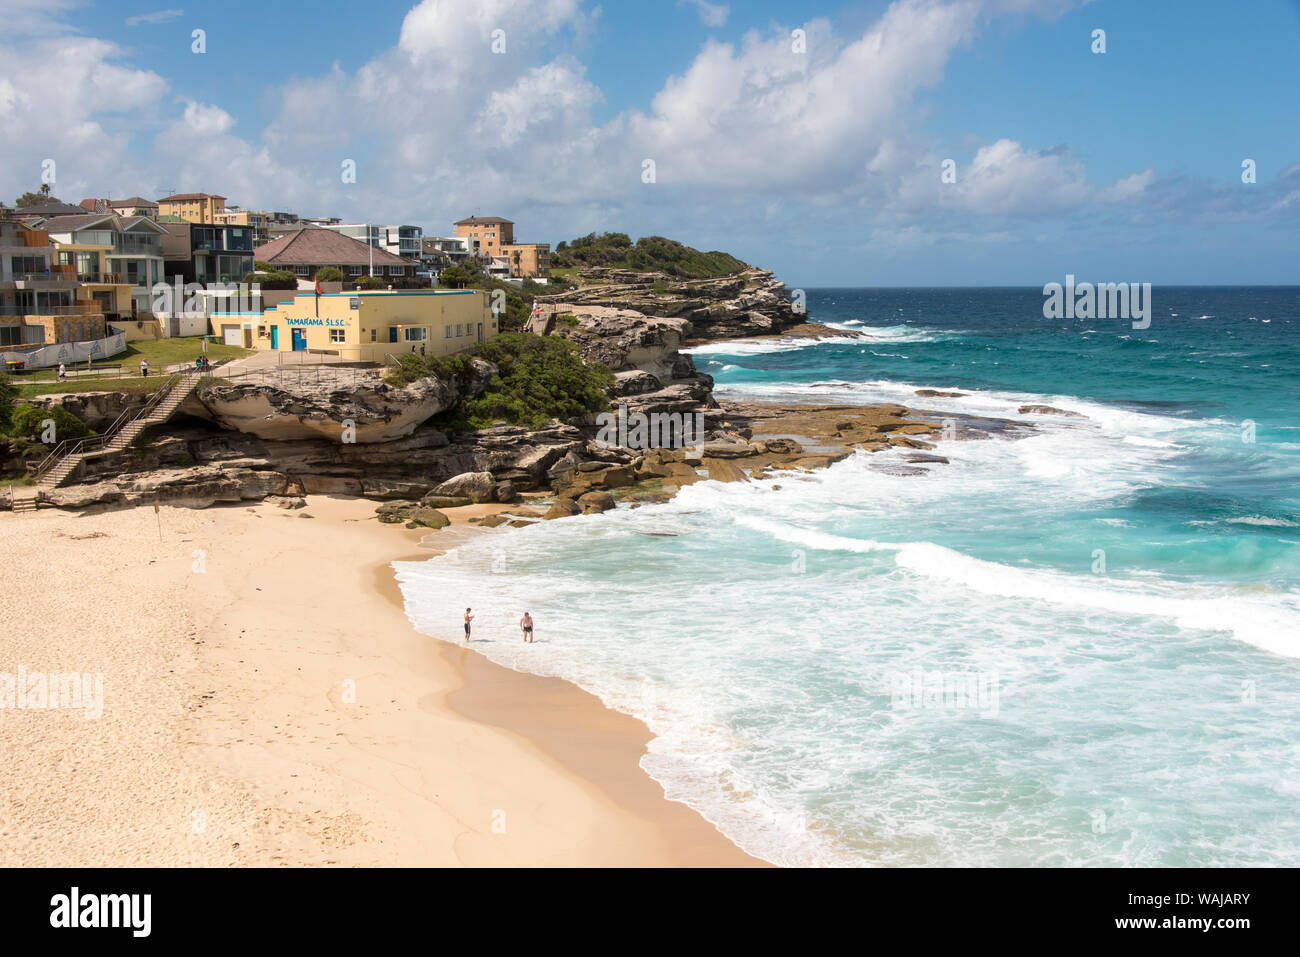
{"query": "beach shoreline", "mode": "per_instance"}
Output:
(268, 703)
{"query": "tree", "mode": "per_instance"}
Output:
(36, 199)
(455, 277)
(329, 274)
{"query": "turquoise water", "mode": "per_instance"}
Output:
(1081, 647)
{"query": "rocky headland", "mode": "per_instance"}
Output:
(280, 434)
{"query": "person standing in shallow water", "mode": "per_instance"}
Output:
(468, 619)
(526, 626)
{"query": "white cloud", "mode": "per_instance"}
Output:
(711, 14)
(158, 16)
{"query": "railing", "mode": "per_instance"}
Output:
(47, 275)
(106, 278)
(96, 442)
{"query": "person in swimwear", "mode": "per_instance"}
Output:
(526, 625)
(468, 619)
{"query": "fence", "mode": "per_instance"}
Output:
(47, 357)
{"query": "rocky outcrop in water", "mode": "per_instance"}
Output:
(752, 302)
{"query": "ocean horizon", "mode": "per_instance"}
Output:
(1076, 643)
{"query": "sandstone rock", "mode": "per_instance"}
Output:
(729, 450)
(724, 470)
(506, 492)
(935, 393)
(492, 521)
(476, 486)
(596, 502)
(1048, 410)
(563, 508)
(434, 500)
(781, 446)
(285, 501)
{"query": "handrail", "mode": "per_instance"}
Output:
(63, 449)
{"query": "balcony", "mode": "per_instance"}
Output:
(102, 278)
(136, 247)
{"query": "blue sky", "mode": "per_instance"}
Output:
(824, 166)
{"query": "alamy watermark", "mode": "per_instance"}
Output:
(28, 690)
(919, 690)
(1103, 300)
(655, 430)
(192, 299)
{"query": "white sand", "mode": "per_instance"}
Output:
(228, 640)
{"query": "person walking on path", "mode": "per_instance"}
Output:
(526, 626)
(63, 373)
(468, 619)
(144, 368)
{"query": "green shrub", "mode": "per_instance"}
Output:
(272, 279)
(647, 254)
(27, 422)
(329, 274)
(539, 378)
(8, 392)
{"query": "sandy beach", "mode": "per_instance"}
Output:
(266, 702)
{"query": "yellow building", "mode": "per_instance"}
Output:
(489, 233)
(366, 326)
(528, 260)
(199, 208)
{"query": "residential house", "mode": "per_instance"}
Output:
(38, 296)
(134, 248)
(132, 206)
(307, 250)
(206, 253)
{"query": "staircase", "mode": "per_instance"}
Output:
(56, 467)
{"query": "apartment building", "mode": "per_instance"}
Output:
(490, 233)
(404, 241)
(201, 208)
(252, 219)
(496, 240)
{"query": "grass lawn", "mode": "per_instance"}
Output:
(49, 386)
(160, 353)
(23, 482)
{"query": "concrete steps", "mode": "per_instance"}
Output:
(25, 499)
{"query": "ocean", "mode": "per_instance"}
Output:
(1079, 647)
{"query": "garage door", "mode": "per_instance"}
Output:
(232, 335)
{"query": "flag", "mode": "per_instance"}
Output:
(318, 298)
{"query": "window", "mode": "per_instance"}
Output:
(458, 332)
(374, 335)
(261, 332)
(416, 335)
(447, 332)
(354, 270)
(11, 335)
(338, 335)
(301, 271)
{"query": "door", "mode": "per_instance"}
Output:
(392, 333)
(275, 337)
(480, 332)
(299, 341)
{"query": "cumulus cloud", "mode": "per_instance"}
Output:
(486, 105)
